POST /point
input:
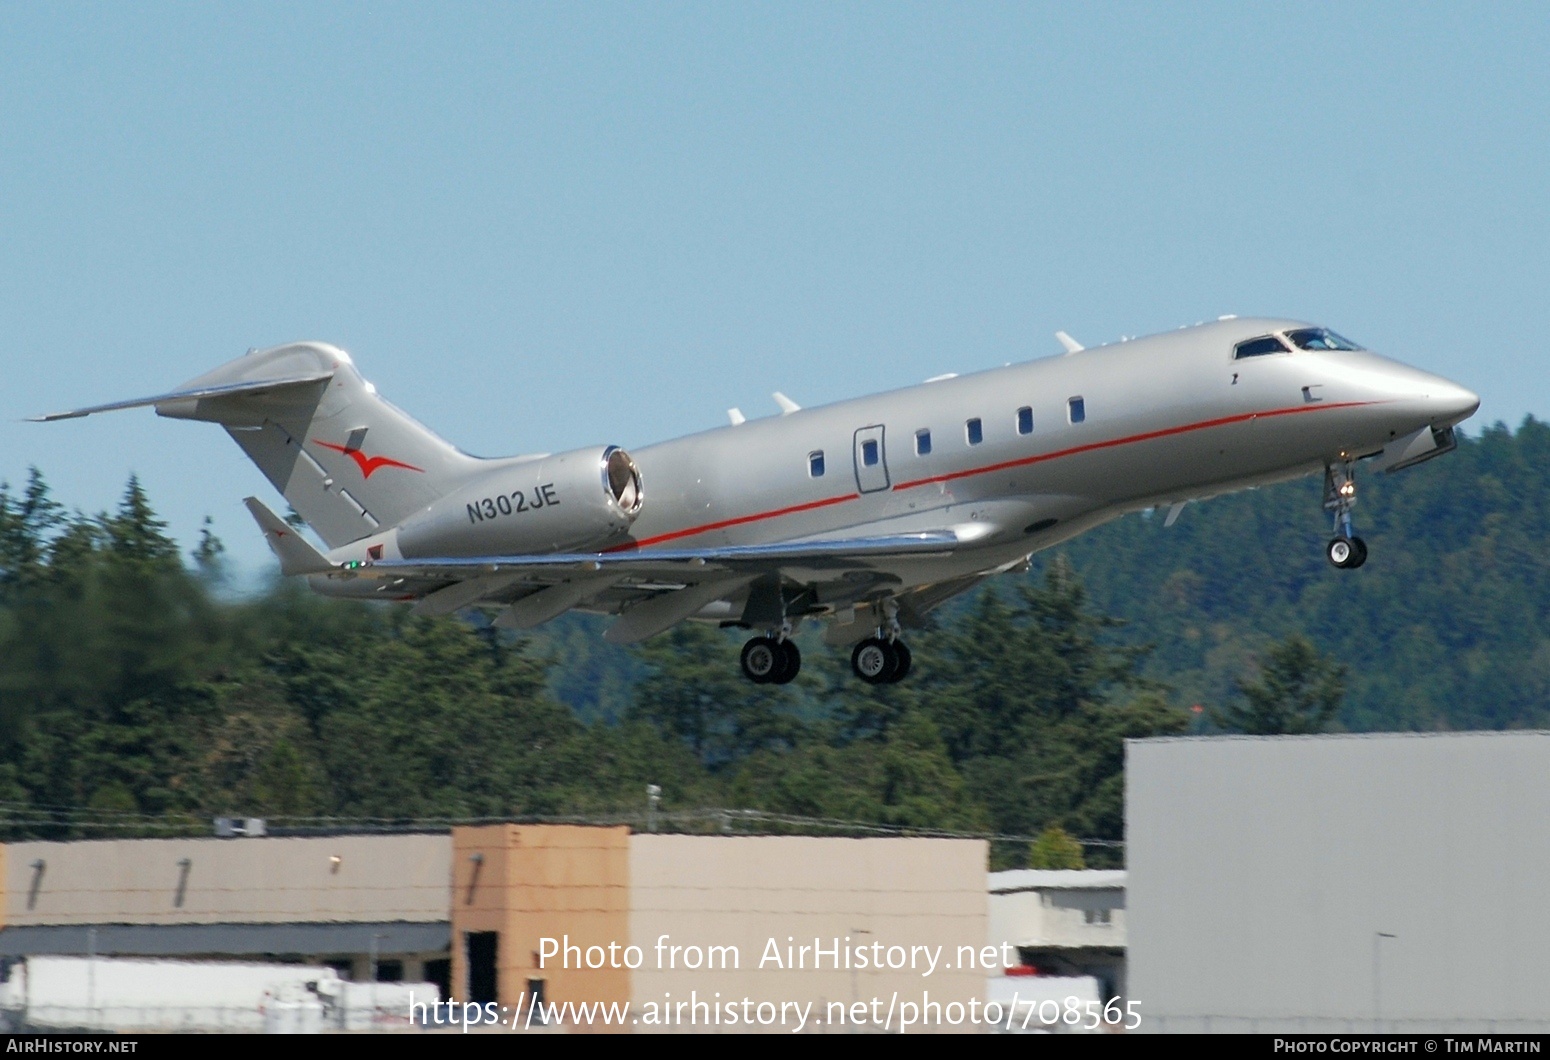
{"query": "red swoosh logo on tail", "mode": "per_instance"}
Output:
(367, 464)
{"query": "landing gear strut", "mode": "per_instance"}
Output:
(772, 660)
(1345, 549)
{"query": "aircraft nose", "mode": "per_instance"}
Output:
(1451, 403)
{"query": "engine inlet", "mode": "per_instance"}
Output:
(621, 478)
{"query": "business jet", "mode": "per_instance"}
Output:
(865, 514)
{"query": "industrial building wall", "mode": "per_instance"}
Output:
(203, 881)
(517, 885)
(744, 891)
(1340, 882)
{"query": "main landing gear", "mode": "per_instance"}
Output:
(1345, 549)
(880, 661)
(771, 660)
(883, 659)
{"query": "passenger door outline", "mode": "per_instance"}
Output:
(871, 477)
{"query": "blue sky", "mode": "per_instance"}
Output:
(544, 226)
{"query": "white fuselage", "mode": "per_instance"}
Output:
(1164, 419)
(886, 505)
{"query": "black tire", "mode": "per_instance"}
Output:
(790, 664)
(901, 671)
(762, 660)
(874, 661)
(1340, 551)
(1358, 554)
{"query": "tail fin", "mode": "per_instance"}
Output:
(349, 462)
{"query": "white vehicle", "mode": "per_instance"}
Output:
(1051, 1004)
(124, 994)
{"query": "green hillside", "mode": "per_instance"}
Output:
(1447, 626)
(139, 696)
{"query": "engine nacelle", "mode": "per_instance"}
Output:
(574, 501)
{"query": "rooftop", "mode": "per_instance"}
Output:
(1014, 880)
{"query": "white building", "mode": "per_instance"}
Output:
(1063, 922)
(1337, 884)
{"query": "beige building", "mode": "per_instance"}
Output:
(709, 931)
(339, 900)
(513, 886)
(712, 921)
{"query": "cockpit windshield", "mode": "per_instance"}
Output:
(1320, 339)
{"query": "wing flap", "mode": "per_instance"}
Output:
(553, 601)
(652, 616)
(461, 594)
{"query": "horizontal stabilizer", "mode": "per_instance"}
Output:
(251, 387)
(295, 553)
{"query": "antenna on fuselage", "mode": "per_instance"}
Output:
(1071, 345)
(787, 406)
(737, 417)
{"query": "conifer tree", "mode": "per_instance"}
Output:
(1298, 691)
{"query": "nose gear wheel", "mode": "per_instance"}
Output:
(1347, 553)
(1345, 550)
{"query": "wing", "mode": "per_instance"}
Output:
(839, 553)
(653, 589)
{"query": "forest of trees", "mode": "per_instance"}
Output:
(139, 693)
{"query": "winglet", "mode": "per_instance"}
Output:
(295, 553)
(1071, 345)
(787, 406)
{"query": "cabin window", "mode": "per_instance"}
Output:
(922, 443)
(974, 431)
(1025, 420)
(869, 453)
(1259, 347)
(815, 463)
(1076, 410)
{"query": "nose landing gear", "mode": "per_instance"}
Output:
(1345, 550)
